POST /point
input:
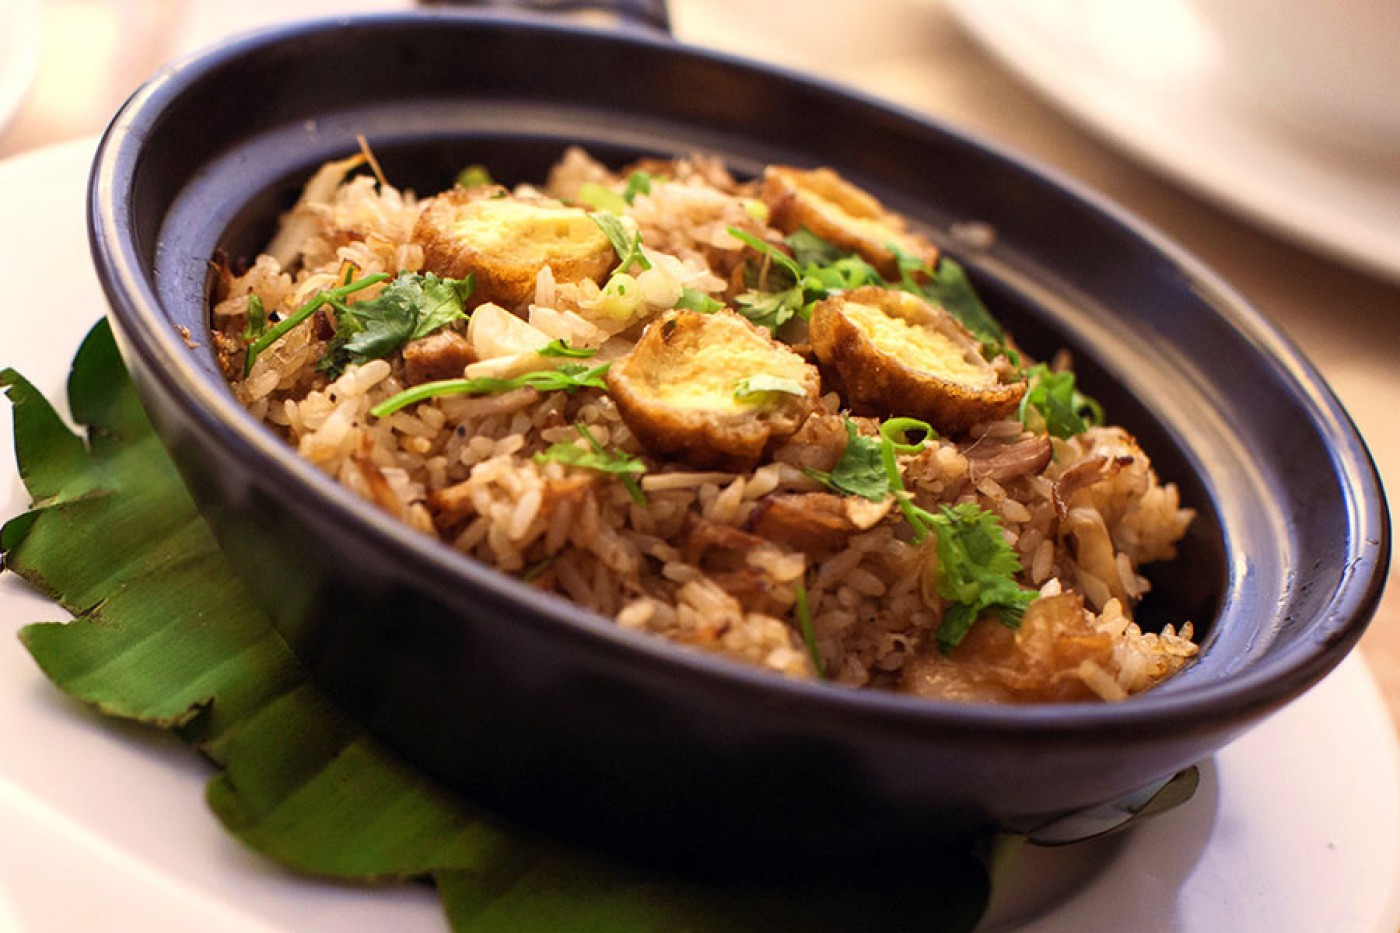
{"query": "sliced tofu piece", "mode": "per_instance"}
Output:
(842, 214)
(899, 355)
(681, 390)
(505, 241)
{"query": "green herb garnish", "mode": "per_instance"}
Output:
(627, 245)
(474, 176)
(638, 182)
(598, 458)
(569, 377)
(601, 198)
(560, 348)
(412, 306)
(695, 300)
(762, 387)
(815, 270)
(1052, 404)
(860, 470)
(320, 299)
(809, 633)
(976, 572)
(257, 320)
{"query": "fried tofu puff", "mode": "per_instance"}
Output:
(686, 391)
(506, 240)
(898, 354)
(842, 214)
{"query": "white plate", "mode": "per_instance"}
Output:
(1296, 826)
(1146, 76)
(21, 42)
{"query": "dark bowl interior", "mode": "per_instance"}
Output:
(556, 716)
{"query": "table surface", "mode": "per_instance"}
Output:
(911, 52)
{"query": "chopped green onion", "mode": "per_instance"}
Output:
(561, 348)
(567, 378)
(257, 320)
(276, 333)
(624, 467)
(601, 199)
(474, 176)
(762, 386)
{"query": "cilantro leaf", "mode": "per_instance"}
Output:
(860, 471)
(569, 377)
(412, 306)
(976, 572)
(597, 458)
(810, 249)
(1053, 404)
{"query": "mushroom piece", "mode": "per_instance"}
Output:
(843, 215)
(712, 389)
(505, 241)
(898, 354)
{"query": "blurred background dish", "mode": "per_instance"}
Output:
(1151, 77)
(1329, 69)
(21, 42)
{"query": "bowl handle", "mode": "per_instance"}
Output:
(651, 14)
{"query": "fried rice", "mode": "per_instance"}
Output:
(754, 551)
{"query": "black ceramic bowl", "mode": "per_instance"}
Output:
(555, 715)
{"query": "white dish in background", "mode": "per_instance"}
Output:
(1147, 77)
(21, 43)
(1296, 826)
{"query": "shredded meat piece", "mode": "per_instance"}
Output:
(752, 588)
(381, 493)
(1082, 474)
(1003, 462)
(815, 523)
(440, 355)
(703, 537)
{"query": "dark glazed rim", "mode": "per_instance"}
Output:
(1282, 674)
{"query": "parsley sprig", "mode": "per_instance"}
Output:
(569, 377)
(598, 458)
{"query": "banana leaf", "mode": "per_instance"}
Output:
(164, 634)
